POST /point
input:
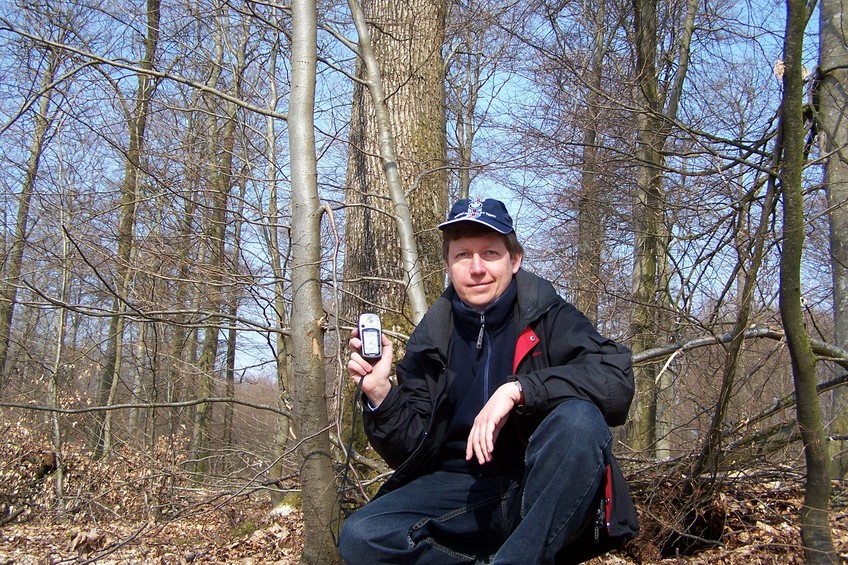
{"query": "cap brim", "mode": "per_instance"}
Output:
(497, 226)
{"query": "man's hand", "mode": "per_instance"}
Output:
(490, 420)
(376, 384)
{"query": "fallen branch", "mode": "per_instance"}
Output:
(11, 517)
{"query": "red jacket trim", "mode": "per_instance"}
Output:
(526, 342)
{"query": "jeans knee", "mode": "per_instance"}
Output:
(353, 537)
(573, 425)
(372, 532)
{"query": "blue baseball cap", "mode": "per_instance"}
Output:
(489, 212)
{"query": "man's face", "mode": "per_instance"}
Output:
(480, 268)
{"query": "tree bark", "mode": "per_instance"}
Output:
(319, 493)
(832, 96)
(815, 526)
(590, 209)
(647, 222)
(406, 37)
(650, 269)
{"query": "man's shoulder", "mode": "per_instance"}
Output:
(434, 326)
(535, 292)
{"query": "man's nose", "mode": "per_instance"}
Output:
(477, 264)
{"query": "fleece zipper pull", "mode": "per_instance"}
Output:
(482, 327)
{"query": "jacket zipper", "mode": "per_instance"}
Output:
(482, 327)
(487, 357)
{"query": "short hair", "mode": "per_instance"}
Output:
(472, 229)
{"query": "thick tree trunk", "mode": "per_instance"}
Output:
(648, 213)
(650, 422)
(590, 208)
(407, 38)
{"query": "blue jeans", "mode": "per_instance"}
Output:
(446, 517)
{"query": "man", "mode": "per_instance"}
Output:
(498, 428)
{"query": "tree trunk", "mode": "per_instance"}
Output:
(12, 273)
(279, 257)
(832, 94)
(651, 235)
(224, 139)
(590, 209)
(135, 420)
(109, 375)
(815, 526)
(56, 369)
(319, 492)
(406, 37)
(647, 220)
(232, 333)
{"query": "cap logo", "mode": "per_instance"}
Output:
(475, 208)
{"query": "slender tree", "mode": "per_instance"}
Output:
(751, 255)
(137, 117)
(273, 230)
(478, 50)
(233, 300)
(320, 504)
(815, 526)
(830, 100)
(12, 267)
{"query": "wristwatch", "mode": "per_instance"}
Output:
(521, 391)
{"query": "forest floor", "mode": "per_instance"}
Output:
(133, 509)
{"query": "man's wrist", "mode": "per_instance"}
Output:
(376, 397)
(520, 403)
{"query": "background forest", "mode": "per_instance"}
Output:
(198, 197)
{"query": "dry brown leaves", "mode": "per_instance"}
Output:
(138, 508)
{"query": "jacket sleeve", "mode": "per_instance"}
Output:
(400, 424)
(581, 363)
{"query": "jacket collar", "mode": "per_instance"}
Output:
(535, 297)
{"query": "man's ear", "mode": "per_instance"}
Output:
(516, 262)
